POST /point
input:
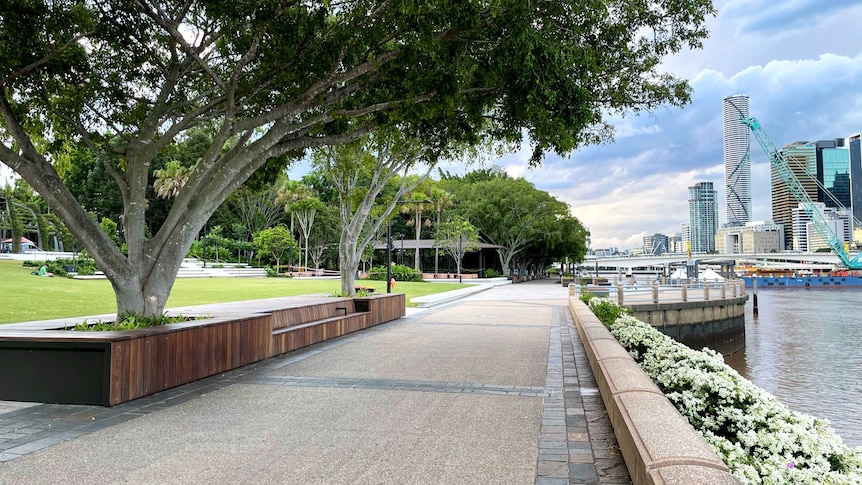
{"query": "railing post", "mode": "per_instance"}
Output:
(724, 291)
(705, 291)
(683, 292)
(655, 293)
(620, 295)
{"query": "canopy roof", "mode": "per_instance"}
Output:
(709, 274)
(23, 240)
(423, 244)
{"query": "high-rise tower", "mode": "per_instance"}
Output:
(702, 217)
(801, 158)
(737, 160)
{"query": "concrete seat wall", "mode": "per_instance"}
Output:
(658, 444)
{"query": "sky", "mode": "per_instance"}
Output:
(800, 63)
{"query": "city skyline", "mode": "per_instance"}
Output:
(802, 85)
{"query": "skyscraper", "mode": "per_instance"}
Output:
(801, 157)
(737, 160)
(702, 217)
(823, 168)
(833, 173)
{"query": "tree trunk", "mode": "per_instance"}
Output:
(349, 261)
(505, 259)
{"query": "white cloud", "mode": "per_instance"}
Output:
(639, 183)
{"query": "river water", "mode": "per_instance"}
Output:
(805, 347)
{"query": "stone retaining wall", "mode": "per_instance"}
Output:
(658, 444)
(717, 324)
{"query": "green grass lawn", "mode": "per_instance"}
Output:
(24, 297)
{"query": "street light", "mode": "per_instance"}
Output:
(389, 256)
(460, 255)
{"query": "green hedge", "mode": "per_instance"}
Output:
(399, 272)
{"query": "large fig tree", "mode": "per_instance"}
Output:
(273, 78)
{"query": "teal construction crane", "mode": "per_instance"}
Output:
(782, 168)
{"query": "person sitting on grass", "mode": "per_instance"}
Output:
(43, 271)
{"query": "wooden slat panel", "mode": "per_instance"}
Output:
(148, 362)
(117, 360)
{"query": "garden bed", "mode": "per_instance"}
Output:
(758, 438)
(109, 368)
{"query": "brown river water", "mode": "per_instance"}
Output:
(805, 347)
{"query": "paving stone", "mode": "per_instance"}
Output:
(552, 481)
(555, 469)
(583, 473)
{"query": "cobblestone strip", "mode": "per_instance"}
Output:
(576, 445)
(587, 419)
(399, 385)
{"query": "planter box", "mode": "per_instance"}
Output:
(109, 368)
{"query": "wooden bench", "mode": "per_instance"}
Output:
(293, 337)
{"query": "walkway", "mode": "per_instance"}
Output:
(492, 389)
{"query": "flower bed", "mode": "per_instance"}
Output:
(759, 439)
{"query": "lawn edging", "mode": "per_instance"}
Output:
(658, 444)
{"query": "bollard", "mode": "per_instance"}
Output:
(655, 293)
(706, 292)
(724, 291)
(620, 295)
(683, 292)
(754, 290)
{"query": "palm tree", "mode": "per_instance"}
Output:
(289, 193)
(305, 210)
(416, 202)
(440, 201)
(171, 179)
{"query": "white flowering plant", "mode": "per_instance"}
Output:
(759, 439)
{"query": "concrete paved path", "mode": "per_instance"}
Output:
(494, 389)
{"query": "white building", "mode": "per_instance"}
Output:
(756, 237)
(807, 237)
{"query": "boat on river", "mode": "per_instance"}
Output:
(806, 281)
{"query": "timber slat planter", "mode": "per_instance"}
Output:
(109, 368)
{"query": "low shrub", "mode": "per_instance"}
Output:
(130, 322)
(399, 272)
(606, 311)
(272, 272)
(61, 267)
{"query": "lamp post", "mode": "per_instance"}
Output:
(460, 255)
(389, 257)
